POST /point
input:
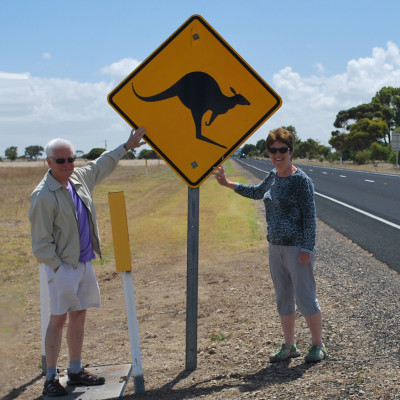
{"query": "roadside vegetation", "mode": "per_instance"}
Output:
(363, 134)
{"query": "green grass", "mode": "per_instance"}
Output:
(157, 214)
(220, 337)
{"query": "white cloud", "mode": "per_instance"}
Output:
(34, 110)
(121, 69)
(312, 103)
(319, 67)
(46, 56)
(9, 76)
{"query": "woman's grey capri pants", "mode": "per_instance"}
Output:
(294, 282)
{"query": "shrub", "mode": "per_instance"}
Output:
(379, 152)
(362, 157)
(392, 158)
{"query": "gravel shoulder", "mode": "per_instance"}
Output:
(238, 328)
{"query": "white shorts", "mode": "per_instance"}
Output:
(72, 289)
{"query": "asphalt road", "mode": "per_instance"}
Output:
(363, 206)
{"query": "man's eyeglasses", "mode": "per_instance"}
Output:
(281, 150)
(64, 160)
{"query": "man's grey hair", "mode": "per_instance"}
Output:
(57, 143)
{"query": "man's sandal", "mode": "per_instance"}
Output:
(84, 378)
(53, 388)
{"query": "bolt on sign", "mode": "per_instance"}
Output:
(198, 99)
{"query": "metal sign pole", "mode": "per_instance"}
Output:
(192, 278)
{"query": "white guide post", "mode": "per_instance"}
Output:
(44, 311)
(123, 263)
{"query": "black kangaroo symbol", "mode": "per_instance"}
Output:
(199, 92)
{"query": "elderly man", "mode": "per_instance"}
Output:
(65, 237)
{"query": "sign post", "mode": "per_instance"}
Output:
(192, 278)
(199, 101)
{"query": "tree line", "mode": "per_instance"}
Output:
(34, 152)
(363, 135)
(31, 152)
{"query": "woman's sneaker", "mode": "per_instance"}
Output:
(53, 388)
(316, 354)
(286, 352)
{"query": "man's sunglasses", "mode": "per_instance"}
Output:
(63, 160)
(281, 150)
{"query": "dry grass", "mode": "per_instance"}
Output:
(157, 220)
(377, 167)
(17, 267)
(237, 323)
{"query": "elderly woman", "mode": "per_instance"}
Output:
(288, 195)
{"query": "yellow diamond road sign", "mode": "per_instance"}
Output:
(198, 99)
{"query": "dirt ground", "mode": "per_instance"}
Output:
(237, 330)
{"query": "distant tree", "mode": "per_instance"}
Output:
(11, 153)
(249, 148)
(308, 149)
(362, 134)
(292, 129)
(130, 155)
(261, 146)
(324, 151)
(147, 154)
(385, 105)
(33, 152)
(79, 153)
(390, 97)
(337, 140)
(365, 132)
(94, 153)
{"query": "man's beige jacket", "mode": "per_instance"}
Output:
(54, 223)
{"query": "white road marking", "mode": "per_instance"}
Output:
(359, 211)
(345, 205)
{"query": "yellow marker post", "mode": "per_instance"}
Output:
(120, 233)
(119, 225)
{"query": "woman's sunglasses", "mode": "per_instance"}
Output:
(281, 150)
(63, 160)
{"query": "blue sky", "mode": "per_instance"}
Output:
(59, 60)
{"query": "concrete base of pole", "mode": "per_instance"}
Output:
(117, 377)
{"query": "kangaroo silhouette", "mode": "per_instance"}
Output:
(199, 92)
